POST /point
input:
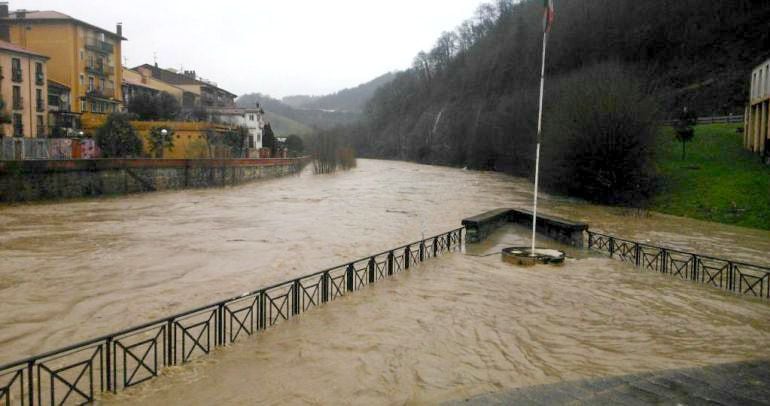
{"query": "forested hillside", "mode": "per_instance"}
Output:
(295, 118)
(350, 100)
(472, 99)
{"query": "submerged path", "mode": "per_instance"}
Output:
(742, 383)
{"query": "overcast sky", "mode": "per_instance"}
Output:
(278, 47)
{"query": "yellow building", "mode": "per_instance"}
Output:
(189, 140)
(83, 57)
(756, 134)
(23, 88)
(135, 81)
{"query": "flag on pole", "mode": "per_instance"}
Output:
(548, 15)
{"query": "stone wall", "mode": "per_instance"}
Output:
(60, 179)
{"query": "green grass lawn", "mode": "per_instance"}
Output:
(718, 181)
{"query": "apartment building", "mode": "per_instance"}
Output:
(83, 57)
(23, 89)
(202, 93)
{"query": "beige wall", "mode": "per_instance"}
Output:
(28, 89)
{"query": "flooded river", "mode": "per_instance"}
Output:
(460, 325)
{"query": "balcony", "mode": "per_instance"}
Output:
(40, 105)
(16, 75)
(104, 93)
(39, 79)
(18, 130)
(40, 131)
(18, 103)
(100, 70)
(96, 45)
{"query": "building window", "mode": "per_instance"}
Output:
(39, 77)
(39, 102)
(81, 79)
(18, 125)
(16, 69)
(90, 83)
(81, 54)
(40, 126)
(17, 101)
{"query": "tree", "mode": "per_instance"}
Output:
(162, 106)
(159, 142)
(683, 128)
(117, 138)
(143, 106)
(294, 144)
(268, 138)
(236, 140)
(168, 106)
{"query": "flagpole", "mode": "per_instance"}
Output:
(539, 133)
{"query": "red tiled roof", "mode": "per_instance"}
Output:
(7, 46)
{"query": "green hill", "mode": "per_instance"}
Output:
(473, 96)
(283, 126)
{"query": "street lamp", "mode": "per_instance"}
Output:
(80, 133)
(163, 132)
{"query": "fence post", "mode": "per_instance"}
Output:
(664, 263)
(637, 254)
(372, 265)
(422, 250)
(325, 287)
(170, 341)
(449, 241)
(407, 253)
(590, 239)
(108, 363)
(349, 277)
(694, 267)
(263, 310)
(390, 263)
(221, 324)
(612, 246)
(295, 298)
(30, 385)
(435, 247)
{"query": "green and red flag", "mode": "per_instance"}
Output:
(548, 15)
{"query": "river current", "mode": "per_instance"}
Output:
(457, 326)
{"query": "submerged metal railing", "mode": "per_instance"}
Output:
(734, 276)
(79, 372)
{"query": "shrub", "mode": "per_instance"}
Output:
(159, 142)
(600, 135)
(116, 138)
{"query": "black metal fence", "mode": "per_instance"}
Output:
(78, 373)
(738, 277)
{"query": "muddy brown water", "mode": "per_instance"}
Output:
(460, 325)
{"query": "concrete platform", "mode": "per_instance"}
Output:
(745, 383)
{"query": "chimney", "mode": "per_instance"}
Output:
(119, 29)
(5, 30)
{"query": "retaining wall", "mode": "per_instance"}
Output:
(57, 179)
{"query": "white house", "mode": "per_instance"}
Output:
(251, 118)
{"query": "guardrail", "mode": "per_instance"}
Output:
(79, 372)
(733, 276)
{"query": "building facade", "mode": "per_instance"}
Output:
(756, 134)
(24, 90)
(252, 119)
(83, 57)
(203, 93)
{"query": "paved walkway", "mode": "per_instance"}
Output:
(746, 383)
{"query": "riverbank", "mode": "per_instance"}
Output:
(717, 181)
(34, 180)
